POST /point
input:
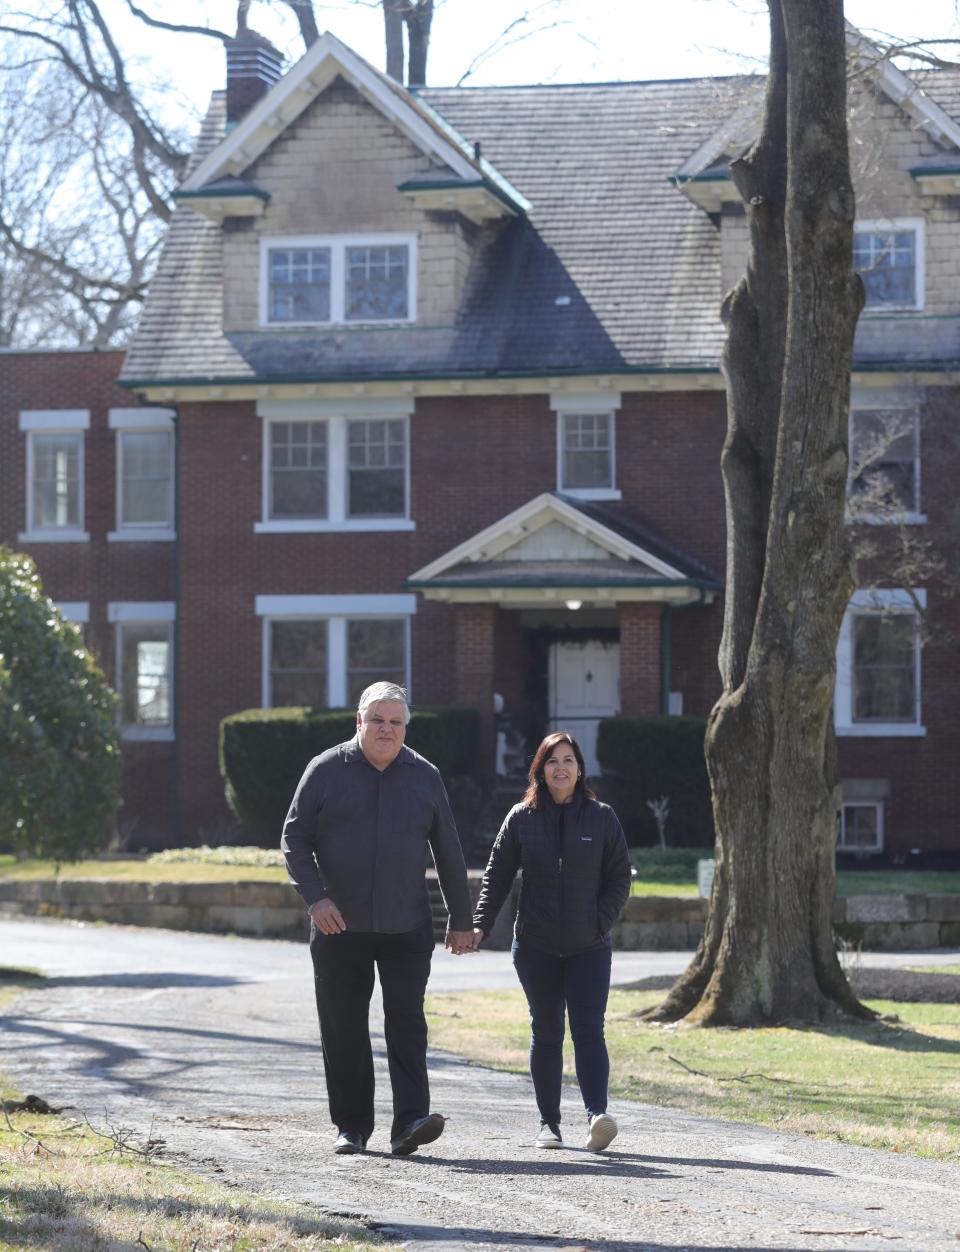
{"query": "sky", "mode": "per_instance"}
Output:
(568, 40)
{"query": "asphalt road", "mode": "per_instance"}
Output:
(211, 1044)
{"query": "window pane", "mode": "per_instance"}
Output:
(885, 461)
(376, 652)
(376, 452)
(886, 262)
(298, 469)
(299, 285)
(587, 454)
(376, 283)
(860, 826)
(147, 465)
(298, 663)
(56, 480)
(145, 676)
(884, 667)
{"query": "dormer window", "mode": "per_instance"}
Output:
(336, 280)
(888, 255)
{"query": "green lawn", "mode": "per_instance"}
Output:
(892, 1085)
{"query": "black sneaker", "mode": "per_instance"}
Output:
(423, 1130)
(348, 1142)
(549, 1136)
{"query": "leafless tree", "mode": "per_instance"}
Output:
(768, 953)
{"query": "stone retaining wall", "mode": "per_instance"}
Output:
(275, 911)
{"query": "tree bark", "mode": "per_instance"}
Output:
(768, 954)
(393, 33)
(419, 18)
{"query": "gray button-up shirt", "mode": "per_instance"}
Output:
(359, 835)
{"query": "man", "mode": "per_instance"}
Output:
(355, 842)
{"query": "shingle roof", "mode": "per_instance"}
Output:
(613, 269)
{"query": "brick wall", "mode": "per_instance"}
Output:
(94, 572)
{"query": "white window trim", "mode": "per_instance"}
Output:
(587, 402)
(873, 601)
(336, 414)
(55, 422)
(859, 850)
(335, 611)
(338, 245)
(918, 225)
(151, 421)
(143, 613)
(862, 401)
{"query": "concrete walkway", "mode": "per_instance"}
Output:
(212, 1042)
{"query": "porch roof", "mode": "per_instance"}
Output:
(556, 549)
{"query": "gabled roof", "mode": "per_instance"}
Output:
(554, 547)
(703, 175)
(327, 59)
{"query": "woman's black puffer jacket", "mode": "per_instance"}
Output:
(576, 874)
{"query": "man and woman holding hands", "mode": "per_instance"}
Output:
(355, 843)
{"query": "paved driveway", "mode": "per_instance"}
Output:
(212, 1041)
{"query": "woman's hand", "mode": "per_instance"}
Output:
(477, 937)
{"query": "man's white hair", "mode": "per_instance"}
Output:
(383, 691)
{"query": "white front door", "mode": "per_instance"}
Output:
(584, 687)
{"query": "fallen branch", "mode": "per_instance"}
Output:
(744, 1077)
(32, 1104)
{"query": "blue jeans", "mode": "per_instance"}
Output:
(578, 984)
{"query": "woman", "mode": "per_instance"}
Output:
(576, 877)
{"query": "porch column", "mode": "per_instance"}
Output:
(640, 683)
(475, 644)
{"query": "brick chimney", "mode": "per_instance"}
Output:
(253, 66)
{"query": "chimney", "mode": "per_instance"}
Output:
(253, 66)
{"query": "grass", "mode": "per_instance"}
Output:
(69, 1186)
(892, 1085)
(136, 870)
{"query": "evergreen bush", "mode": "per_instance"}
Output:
(643, 758)
(263, 753)
(59, 743)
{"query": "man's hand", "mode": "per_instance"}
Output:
(459, 941)
(477, 937)
(326, 917)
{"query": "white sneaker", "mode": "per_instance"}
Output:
(603, 1131)
(549, 1137)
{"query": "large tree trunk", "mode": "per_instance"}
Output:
(419, 19)
(393, 35)
(768, 954)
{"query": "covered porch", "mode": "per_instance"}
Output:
(563, 615)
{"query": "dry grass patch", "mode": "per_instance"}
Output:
(64, 1186)
(893, 1085)
(144, 871)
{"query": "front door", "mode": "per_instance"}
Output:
(584, 687)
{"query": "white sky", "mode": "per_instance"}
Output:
(593, 40)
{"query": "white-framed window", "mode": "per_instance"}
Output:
(145, 474)
(860, 826)
(338, 279)
(55, 475)
(586, 444)
(878, 665)
(888, 254)
(144, 667)
(322, 651)
(77, 612)
(336, 465)
(884, 485)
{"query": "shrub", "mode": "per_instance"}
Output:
(668, 864)
(263, 753)
(643, 758)
(60, 760)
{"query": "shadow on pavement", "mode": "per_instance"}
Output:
(144, 980)
(626, 1164)
(464, 1237)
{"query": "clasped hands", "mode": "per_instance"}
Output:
(460, 942)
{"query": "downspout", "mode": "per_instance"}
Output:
(666, 619)
(177, 816)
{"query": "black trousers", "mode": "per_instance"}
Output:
(343, 969)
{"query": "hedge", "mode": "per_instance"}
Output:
(263, 753)
(643, 758)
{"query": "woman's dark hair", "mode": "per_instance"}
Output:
(534, 795)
